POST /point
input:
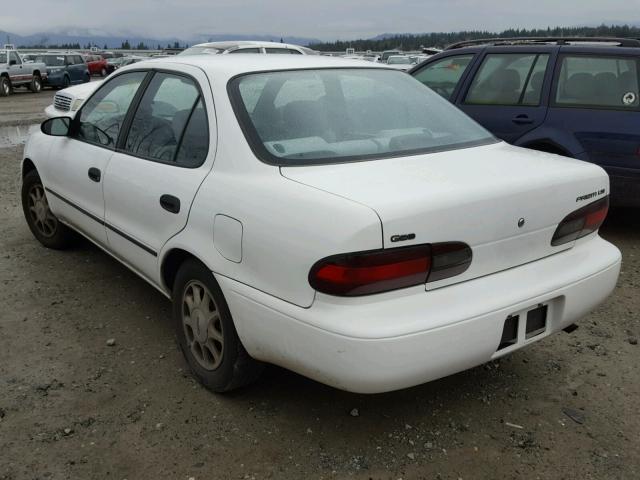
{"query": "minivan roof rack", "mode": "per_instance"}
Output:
(619, 42)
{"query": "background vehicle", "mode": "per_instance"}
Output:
(16, 73)
(574, 97)
(66, 102)
(231, 212)
(65, 69)
(400, 62)
(96, 65)
(387, 53)
(247, 47)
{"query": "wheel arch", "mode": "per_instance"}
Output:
(171, 264)
(27, 167)
(36, 73)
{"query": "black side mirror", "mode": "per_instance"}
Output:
(56, 127)
(12, 62)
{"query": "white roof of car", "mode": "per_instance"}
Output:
(244, 43)
(227, 66)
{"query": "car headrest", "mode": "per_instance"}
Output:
(304, 118)
(580, 86)
(506, 80)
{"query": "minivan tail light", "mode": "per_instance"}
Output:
(376, 271)
(581, 223)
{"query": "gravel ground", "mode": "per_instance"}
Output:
(74, 407)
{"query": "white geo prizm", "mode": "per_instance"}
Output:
(335, 218)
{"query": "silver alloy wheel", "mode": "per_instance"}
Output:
(44, 221)
(6, 87)
(202, 325)
(36, 84)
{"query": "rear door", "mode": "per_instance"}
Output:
(596, 100)
(152, 179)
(505, 92)
(17, 72)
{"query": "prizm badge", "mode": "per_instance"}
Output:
(590, 195)
(403, 238)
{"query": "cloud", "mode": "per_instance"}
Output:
(326, 19)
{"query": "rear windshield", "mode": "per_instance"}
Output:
(337, 115)
(52, 60)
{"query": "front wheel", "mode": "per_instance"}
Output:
(206, 333)
(44, 225)
(66, 82)
(5, 87)
(36, 84)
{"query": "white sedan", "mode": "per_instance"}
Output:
(335, 218)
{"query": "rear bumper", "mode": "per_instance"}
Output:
(397, 340)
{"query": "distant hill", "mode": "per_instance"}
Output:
(99, 38)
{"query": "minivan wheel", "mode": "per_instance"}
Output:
(44, 225)
(206, 333)
(5, 87)
(36, 84)
(66, 82)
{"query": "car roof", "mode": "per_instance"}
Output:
(228, 66)
(243, 43)
(577, 48)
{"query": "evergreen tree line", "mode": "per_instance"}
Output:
(442, 39)
(76, 46)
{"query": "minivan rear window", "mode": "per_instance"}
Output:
(301, 117)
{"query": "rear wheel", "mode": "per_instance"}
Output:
(87, 78)
(42, 222)
(36, 84)
(206, 333)
(5, 87)
(103, 72)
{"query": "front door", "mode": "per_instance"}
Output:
(505, 94)
(151, 183)
(79, 162)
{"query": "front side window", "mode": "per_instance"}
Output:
(168, 104)
(605, 82)
(509, 79)
(443, 76)
(337, 115)
(102, 116)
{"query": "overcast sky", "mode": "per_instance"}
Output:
(324, 19)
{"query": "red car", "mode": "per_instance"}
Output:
(97, 65)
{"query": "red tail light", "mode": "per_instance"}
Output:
(364, 273)
(582, 222)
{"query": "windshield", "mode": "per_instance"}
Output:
(335, 115)
(399, 61)
(200, 50)
(52, 60)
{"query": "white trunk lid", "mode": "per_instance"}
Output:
(476, 195)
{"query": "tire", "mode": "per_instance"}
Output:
(5, 87)
(103, 72)
(206, 330)
(66, 82)
(87, 78)
(43, 224)
(36, 84)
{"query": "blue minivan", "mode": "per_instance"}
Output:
(578, 97)
(64, 69)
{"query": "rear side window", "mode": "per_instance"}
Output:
(605, 82)
(443, 76)
(509, 79)
(246, 50)
(158, 127)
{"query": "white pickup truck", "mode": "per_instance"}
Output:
(16, 73)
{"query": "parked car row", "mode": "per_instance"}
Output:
(331, 216)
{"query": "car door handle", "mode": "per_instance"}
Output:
(522, 119)
(95, 174)
(170, 203)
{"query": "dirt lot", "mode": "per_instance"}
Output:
(73, 407)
